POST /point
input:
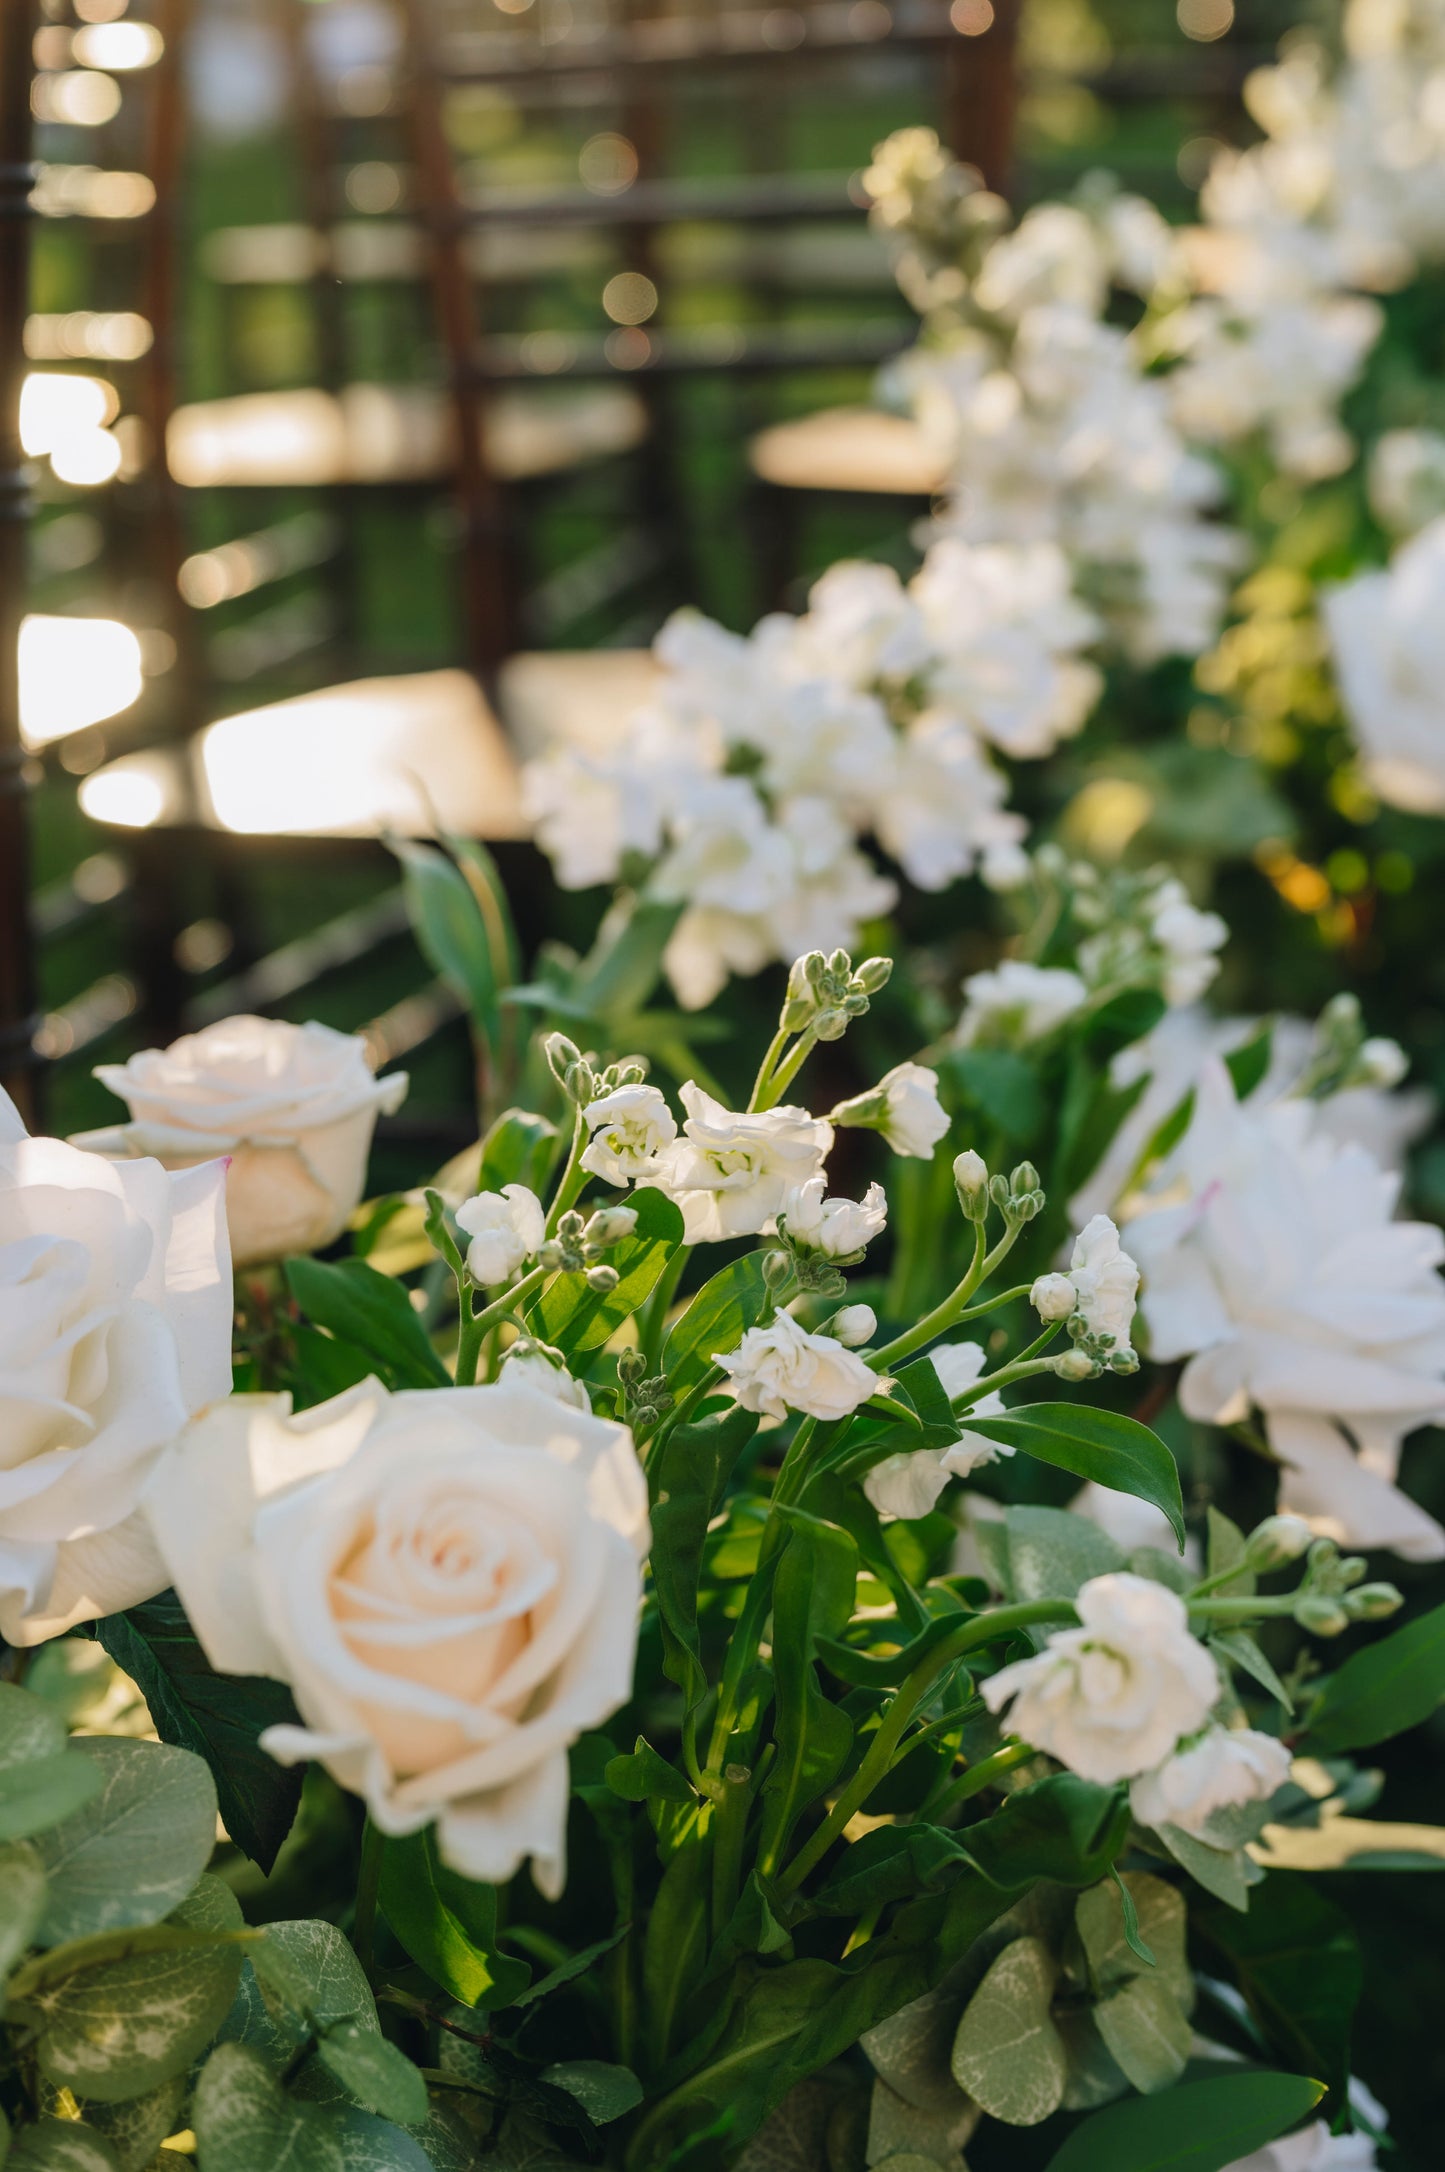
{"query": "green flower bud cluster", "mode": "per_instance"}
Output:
(577, 1244)
(825, 994)
(1344, 1055)
(1019, 1196)
(579, 1076)
(1334, 1593)
(646, 1399)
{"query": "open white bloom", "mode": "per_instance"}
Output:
(115, 1327)
(1220, 1769)
(506, 1229)
(1188, 939)
(1006, 631)
(293, 1107)
(909, 1484)
(838, 1228)
(628, 1126)
(905, 1107)
(1016, 1004)
(1273, 1263)
(941, 810)
(1387, 634)
(1111, 1698)
(1406, 480)
(731, 1171)
(862, 626)
(449, 1581)
(782, 1367)
(1107, 1281)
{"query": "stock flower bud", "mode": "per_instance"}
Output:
(1279, 1539)
(562, 1056)
(872, 975)
(609, 1225)
(854, 1326)
(602, 1279)
(777, 1271)
(1073, 1365)
(1372, 1602)
(631, 1366)
(1053, 1297)
(970, 1179)
(1322, 1617)
(1025, 1178)
(831, 1025)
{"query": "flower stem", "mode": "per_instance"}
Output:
(782, 1078)
(766, 1068)
(980, 1776)
(955, 1306)
(574, 1176)
(474, 1329)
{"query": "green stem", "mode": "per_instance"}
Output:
(782, 1078)
(574, 1176)
(944, 1316)
(774, 1056)
(1240, 1609)
(979, 1630)
(474, 1329)
(991, 1304)
(980, 1776)
(731, 1805)
(368, 1879)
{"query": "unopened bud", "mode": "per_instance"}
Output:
(1053, 1297)
(1381, 1062)
(562, 1056)
(831, 1025)
(602, 1279)
(631, 1366)
(1123, 1361)
(854, 1325)
(970, 1178)
(1275, 1541)
(609, 1225)
(1073, 1365)
(840, 965)
(1352, 1570)
(1372, 1602)
(998, 1190)
(777, 1271)
(1025, 1178)
(1322, 1617)
(815, 969)
(872, 975)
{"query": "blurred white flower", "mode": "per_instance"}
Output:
(731, 1172)
(1016, 1003)
(628, 1126)
(524, 1366)
(1006, 630)
(1387, 635)
(1220, 1769)
(1405, 479)
(1107, 1282)
(840, 1229)
(506, 1229)
(782, 1367)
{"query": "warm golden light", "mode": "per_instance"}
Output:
(119, 46)
(74, 672)
(1205, 20)
(87, 459)
(607, 164)
(630, 298)
(56, 405)
(76, 98)
(91, 335)
(130, 793)
(92, 192)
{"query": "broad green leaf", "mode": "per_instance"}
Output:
(136, 2128)
(22, 1901)
(1095, 1129)
(1095, 2077)
(30, 1729)
(220, 1717)
(675, 1946)
(1227, 1548)
(884, 1670)
(1147, 2032)
(519, 1149)
(1052, 1552)
(575, 1318)
(621, 970)
(1295, 1958)
(1227, 1873)
(716, 1320)
(688, 1478)
(337, 1989)
(1003, 1086)
(452, 933)
(136, 1851)
(324, 1368)
(1007, 2054)
(1126, 1017)
(371, 1311)
(645, 1777)
(910, 2051)
(61, 2145)
(813, 1596)
(1102, 1445)
(245, 2122)
(1239, 1647)
(1382, 1690)
(604, 2092)
(448, 1924)
(1198, 2127)
(1159, 1923)
(42, 1792)
(1062, 1828)
(1249, 1064)
(369, 2143)
(379, 2077)
(894, 1862)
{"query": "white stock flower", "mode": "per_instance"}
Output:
(1017, 1003)
(861, 625)
(909, 1484)
(1188, 939)
(1387, 634)
(1006, 630)
(506, 1229)
(1111, 1698)
(854, 1326)
(449, 1581)
(1053, 1297)
(526, 1367)
(731, 1171)
(1107, 1281)
(115, 1327)
(940, 810)
(838, 1228)
(912, 1119)
(782, 1367)
(1272, 1262)
(628, 1126)
(1221, 1769)
(293, 1107)
(1406, 480)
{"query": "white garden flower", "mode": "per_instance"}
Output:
(292, 1107)
(524, 1366)
(1188, 939)
(1406, 480)
(1273, 1263)
(1106, 1280)
(1220, 1769)
(861, 626)
(782, 1367)
(840, 1229)
(506, 1230)
(1053, 1297)
(1387, 635)
(941, 811)
(1006, 631)
(854, 1326)
(449, 1581)
(628, 1126)
(1017, 1003)
(909, 1484)
(731, 1172)
(1111, 1698)
(115, 1327)
(905, 1107)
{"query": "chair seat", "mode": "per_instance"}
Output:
(392, 434)
(849, 448)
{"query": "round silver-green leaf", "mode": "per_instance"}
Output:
(1007, 2055)
(135, 1852)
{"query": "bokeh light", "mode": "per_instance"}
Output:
(74, 672)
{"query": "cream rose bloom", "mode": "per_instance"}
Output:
(293, 1107)
(1225, 1767)
(730, 1172)
(782, 1367)
(450, 1582)
(115, 1327)
(1111, 1698)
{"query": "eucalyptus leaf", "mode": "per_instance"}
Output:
(1007, 2054)
(911, 2050)
(1160, 1922)
(337, 1986)
(1198, 2127)
(135, 1851)
(22, 1901)
(136, 2128)
(61, 2145)
(1052, 1552)
(1099, 1445)
(245, 2122)
(379, 2077)
(1147, 2032)
(30, 1729)
(1227, 1873)
(44, 1791)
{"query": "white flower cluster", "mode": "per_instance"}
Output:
(745, 788)
(1386, 630)
(1052, 428)
(1128, 1695)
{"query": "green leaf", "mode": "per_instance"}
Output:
(1146, 2031)
(336, 1985)
(675, 1946)
(575, 1318)
(1052, 1552)
(575, 1965)
(245, 2122)
(1380, 1691)
(688, 1478)
(1295, 1958)
(30, 1729)
(519, 1149)
(1227, 1873)
(1248, 1064)
(1238, 1646)
(451, 932)
(379, 2077)
(372, 1311)
(22, 1901)
(716, 1320)
(1159, 1923)
(326, 1367)
(894, 1862)
(43, 1792)
(61, 2145)
(1198, 2127)
(1007, 2055)
(813, 1596)
(1062, 1828)
(646, 1777)
(136, 2128)
(220, 1717)
(604, 2092)
(1125, 1018)
(1227, 1550)
(1102, 1445)
(1004, 1087)
(885, 1670)
(621, 970)
(134, 1852)
(448, 1924)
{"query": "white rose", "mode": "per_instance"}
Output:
(506, 1228)
(730, 1173)
(782, 1367)
(838, 1228)
(449, 1581)
(1225, 1767)
(115, 1326)
(1106, 1280)
(909, 1484)
(293, 1107)
(1111, 1698)
(1053, 1297)
(628, 1127)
